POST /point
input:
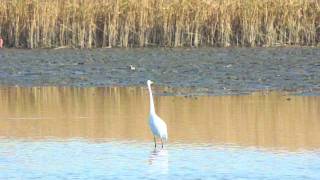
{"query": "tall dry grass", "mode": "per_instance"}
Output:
(171, 23)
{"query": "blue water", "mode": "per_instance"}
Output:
(83, 159)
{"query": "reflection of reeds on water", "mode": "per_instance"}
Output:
(271, 120)
(74, 112)
(126, 23)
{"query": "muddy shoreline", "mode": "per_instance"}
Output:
(206, 71)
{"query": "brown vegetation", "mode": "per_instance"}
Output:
(171, 23)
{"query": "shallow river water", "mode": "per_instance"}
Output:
(103, 133)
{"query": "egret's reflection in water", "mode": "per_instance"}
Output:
(158, 161)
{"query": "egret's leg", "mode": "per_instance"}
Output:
(155, 142)
(161, 143)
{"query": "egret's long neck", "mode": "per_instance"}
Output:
(152, 110)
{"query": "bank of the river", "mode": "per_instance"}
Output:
(217, 71)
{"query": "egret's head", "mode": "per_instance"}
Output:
(149, 82)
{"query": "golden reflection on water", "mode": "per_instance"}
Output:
(262, 120)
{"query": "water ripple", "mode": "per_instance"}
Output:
(80, 159)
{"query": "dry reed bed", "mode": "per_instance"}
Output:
(171, 23)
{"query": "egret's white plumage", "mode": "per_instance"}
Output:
(157, 125)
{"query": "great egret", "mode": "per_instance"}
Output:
(157, 125)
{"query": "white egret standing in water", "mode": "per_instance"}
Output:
(157, 125)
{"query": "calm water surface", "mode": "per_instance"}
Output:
(102, 133)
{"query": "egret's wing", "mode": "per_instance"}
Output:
(163, 132)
